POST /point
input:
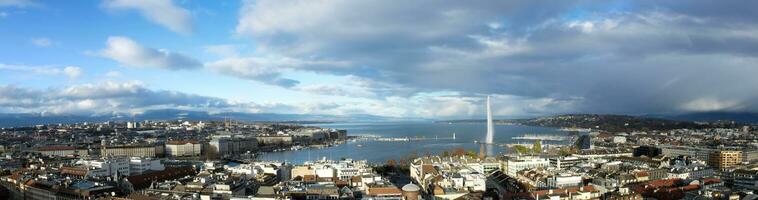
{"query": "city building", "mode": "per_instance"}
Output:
(584, 142)
(114, 167)
(698, 153)
(229, 145)
(564, 162)
(648, 151)
(136, 150)
(724, 159)
(512, 165)
(62, 151)
(182, 148)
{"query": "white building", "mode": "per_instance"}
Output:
(249, 170)
(141, 165)
(349, 168)
(326, 171)
(120, 166)
(183, 148)
(619, 139)
(131, 125)
(227, 145)
(106, 167)
(564, 180)
(475, 182)
(487, 166)
(515, 164)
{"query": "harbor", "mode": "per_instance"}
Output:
(380, 142)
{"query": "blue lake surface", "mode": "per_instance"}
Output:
(381, 151)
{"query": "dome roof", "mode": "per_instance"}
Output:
(410, 187)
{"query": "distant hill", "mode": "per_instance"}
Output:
(25, 119)
(613, 123)
(741, 117)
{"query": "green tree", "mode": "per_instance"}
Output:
(521, 149)
(471, 154)
(537, 147)
(565, 151)
(445, 154)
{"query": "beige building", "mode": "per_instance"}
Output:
(230, 146)
(303, 171)
(183, 148)
(132, 150)
(274, 139)
(724, 159)
(61, 151)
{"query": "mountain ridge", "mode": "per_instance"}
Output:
(30, 119)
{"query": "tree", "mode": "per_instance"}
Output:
(537, 147)
(459, 152)
(565, 151)
(471, 154)
(445, 154)
(521, 149)
(391, 163)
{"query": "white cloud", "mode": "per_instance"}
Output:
(337, 90)
(252, 68)
(163, 12)
(711, 105)
(130, 53)
(42, 42)
(269, 69)
(71, 72)
(3, 14)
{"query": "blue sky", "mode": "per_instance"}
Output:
(389, 58)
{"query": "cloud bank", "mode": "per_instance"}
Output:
(601, 56)
(130, 53)
(162, 12)
(439, 59)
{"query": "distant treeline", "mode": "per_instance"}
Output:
(613, 123)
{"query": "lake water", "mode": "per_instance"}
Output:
(381, 151)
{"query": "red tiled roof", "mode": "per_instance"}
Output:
(180, 142)
(710, 181)
(143, 180)
(309, 178)
(76, 171)
(690, 187)
(428, 169)
(384, 191)
(56, 148)
(663, 182)
(356, 179)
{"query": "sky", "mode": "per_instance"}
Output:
(421, 59)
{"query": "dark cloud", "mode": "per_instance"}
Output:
(602, 56)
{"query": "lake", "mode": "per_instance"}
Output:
(381, 151)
